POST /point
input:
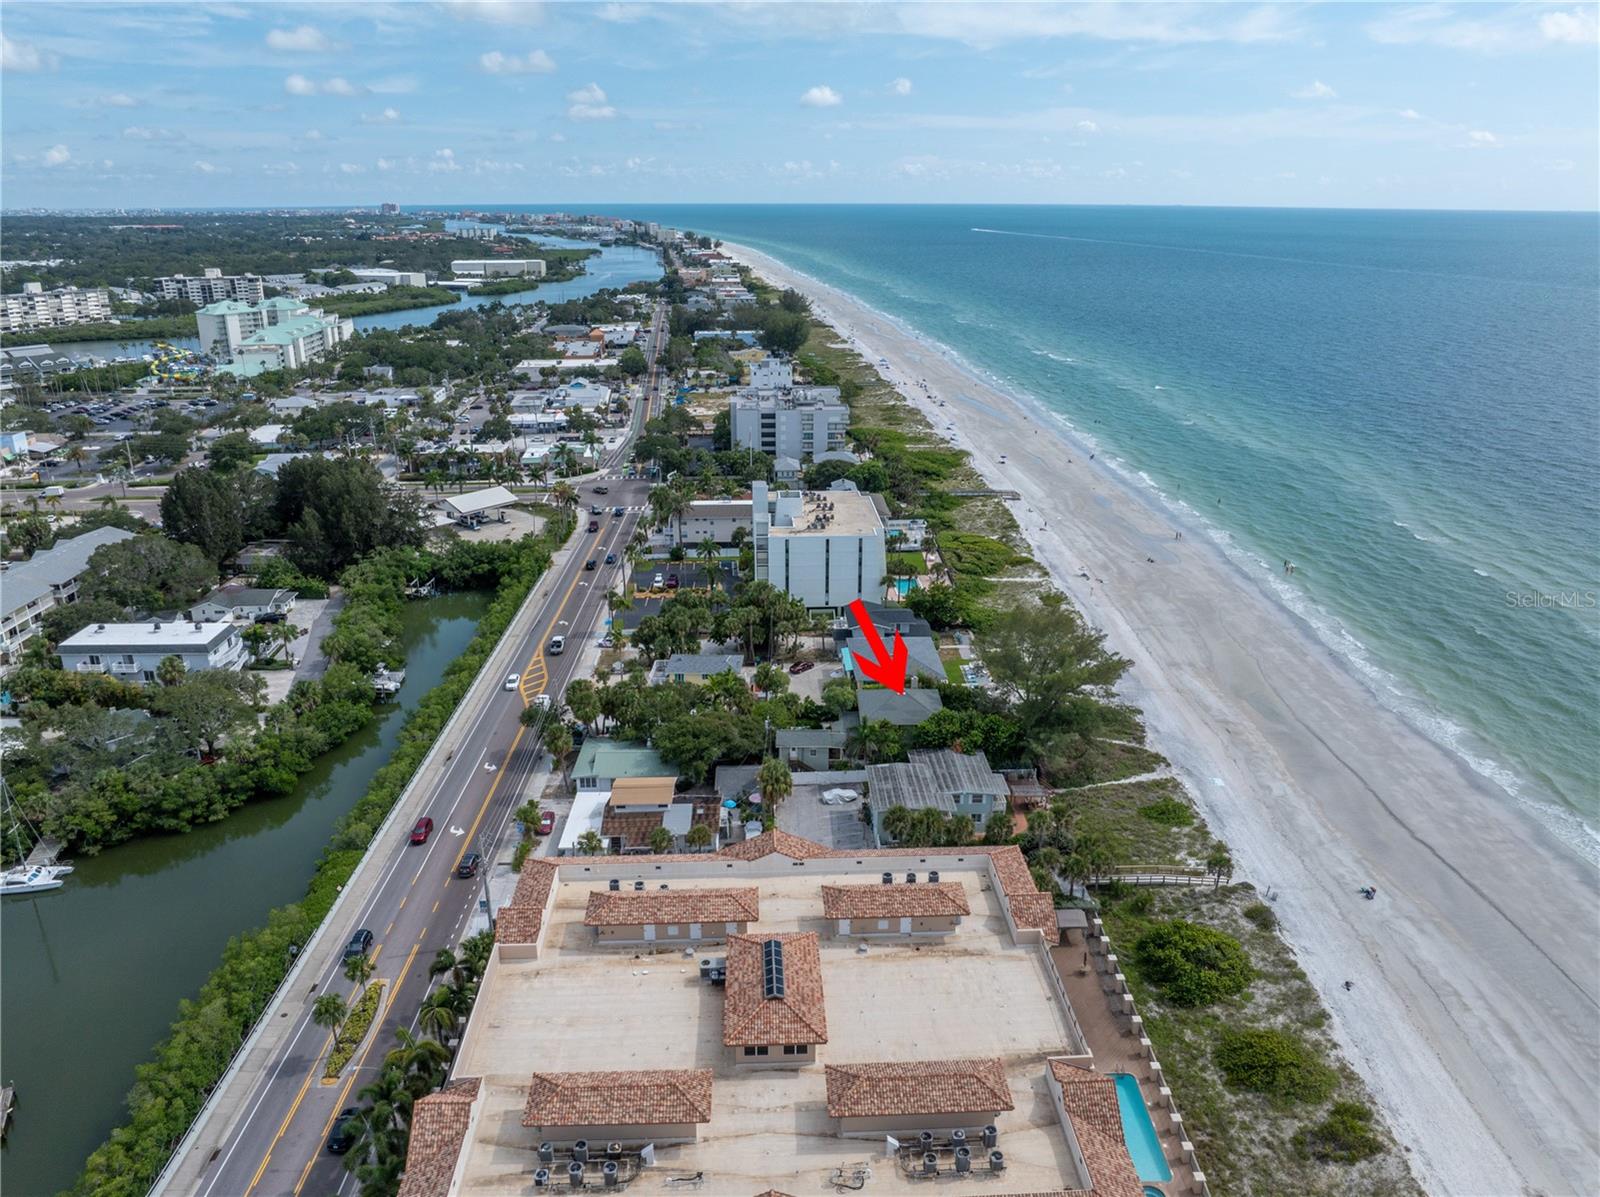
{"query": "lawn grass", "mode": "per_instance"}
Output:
(952, 670)
(907, 563)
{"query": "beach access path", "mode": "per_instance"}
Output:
(1474, 1013)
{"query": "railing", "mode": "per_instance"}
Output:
(1154, 874)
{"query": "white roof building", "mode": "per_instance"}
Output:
(133, 651)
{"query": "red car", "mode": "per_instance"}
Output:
(547, 822)
(423, 829)
(802, 666)
(672, 581)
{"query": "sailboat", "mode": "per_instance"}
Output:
(39, 872)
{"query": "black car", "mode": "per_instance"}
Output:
(590, 564)
(360, 944)
(602, 490)
(271, 617)
(343, 1136)
(469, 865)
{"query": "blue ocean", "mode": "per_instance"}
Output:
(1405, 404)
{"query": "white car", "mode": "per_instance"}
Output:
(513, 681)
(542, 701)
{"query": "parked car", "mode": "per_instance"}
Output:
(513, 681)
(656, 582)
(595, 510)
(271, 617)
(802, 666)
(557, 646)
(672, 581)
(469, 865)
(547, 822)
(345, 1127)
(423, 829)
(590, 564)
(360, 944)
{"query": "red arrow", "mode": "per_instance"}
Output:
(888, 669)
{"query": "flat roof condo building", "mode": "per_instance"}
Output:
(825, 548)
(212, 287)
(499, 267)
(34, 307)
(134, 651)
(275, 334)
(390, 278)
(797, 422)
(761, 1064)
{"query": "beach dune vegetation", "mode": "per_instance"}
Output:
(1280, 1065)
(1192, 965)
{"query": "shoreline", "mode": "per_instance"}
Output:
(1474, 1013)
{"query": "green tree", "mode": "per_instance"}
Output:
(1279, 1064)
(774, 781)
(784, 332)
(148, 573)
(170, 670)
(334, 512)
(583, 700)
(589, 843)
(1191, 964)
(699, 837)
(1053, 667)
(329, 1011)
(773, 679)
(230, 451)
(1220, 865)
(558, 741)
(839, 695)
(632, 362)
(358, 971)
(217, 513)
(660, 840)
(204, 708)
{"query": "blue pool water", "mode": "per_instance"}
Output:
(1140, 1133)
(904, 586)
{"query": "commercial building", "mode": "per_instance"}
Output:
(472, 509)
(953, 783)
(657, 1071)
(47, 580)
(390, 278)
(133, 651)
(275, 334)
(825, 548)
(34, 307)
(498, 267)
(212, 287)
(798, 422)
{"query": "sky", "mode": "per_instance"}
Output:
(478, 102)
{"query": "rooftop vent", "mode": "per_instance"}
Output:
(933, 877)
(614, 885)
(911, 878)
(772, 969)
(638, 887)
(888, 878)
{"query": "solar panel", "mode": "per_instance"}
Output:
(772, 968)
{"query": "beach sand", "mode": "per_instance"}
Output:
(1474, 1015)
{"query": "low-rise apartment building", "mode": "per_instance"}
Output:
(132, 652)
(953, 783)
(47, 580)
(34, 307)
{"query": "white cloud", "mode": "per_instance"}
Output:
(1410, 114)
(588, 103)
(148, 133)
(352, 168)
(500, 12)
(901, 86)
(1482, 138)
(23, 56)
(303, 39)
(535, 62)
(300, 85)
(387, 117)
(1087, 127)
(57, 155)
(205, 168)
(1315, 90)
(118, 99)
(280, 168)
(558, 137)
(443, 161)
(1579, 26)
(821, 96)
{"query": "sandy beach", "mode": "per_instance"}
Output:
(1475, 1012)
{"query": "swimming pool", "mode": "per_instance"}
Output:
(904, 586)
(1149, 1161)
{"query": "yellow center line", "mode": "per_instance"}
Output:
(288, 1118)
(394, 992)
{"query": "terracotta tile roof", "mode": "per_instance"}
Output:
(750, 1018)
(646, 1097)
(626, 908)
(886, 1088)
(782, 842)
(894, 901)
(633, 828)
(438, 1129)
(1090, 1099)
(520, 922)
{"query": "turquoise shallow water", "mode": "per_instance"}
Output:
(1403, 403)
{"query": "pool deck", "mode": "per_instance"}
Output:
(1109, 1034)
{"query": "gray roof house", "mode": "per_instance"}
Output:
(902, 710)
(242, 602)
(693, 667)
(810, 748)
(953, 783)
(47, 579)
(922, 653)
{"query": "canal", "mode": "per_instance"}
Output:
(614, 266)
(92, 973)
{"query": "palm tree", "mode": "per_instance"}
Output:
(108, 502)
(444, 961)
(709, 552)
(358, 971)
(774, 781)
(699, 837)
(438, 1015)
(660, 840)
(329, 1011)
(558, 741)
(589, 843)
(564, 495)
(1220, 865)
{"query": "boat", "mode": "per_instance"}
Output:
(26, 879)
(39, 871)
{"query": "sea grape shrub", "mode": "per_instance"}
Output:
(1169, 812)
(1193, 965)
(1275, 1063)
(1345, 1136)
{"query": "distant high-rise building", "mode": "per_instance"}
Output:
(389, 209)
(276, 334)
(37, 308)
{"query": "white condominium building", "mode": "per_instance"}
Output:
(212, 287)
(797, 422)
(825, 548)
(34, 307)
(133, 652)
(276, 334)
(499, 267)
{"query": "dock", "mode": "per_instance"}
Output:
(44, 853)
(8, 1101)
(386, 684)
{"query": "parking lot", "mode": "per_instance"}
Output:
(803, 813)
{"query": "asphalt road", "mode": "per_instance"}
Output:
(278, 1147)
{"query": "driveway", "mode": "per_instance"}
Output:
(803, 814)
